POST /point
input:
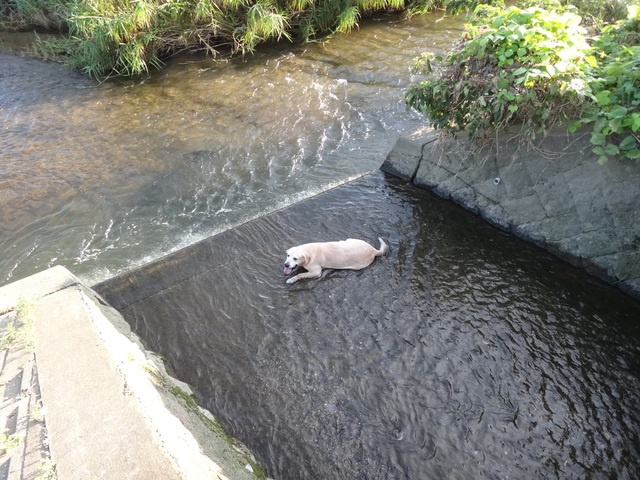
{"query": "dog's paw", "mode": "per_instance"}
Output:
(291, 280)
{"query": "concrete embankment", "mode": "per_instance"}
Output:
(555, 195)
(80, 389)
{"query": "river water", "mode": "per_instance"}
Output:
(463, 353)
(104, 177)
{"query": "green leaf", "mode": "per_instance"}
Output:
(618, 112)
(611, 149)
(591, 60)
(628, 143)
(598, 139)
(599, 124)
(602, 160)
(575, 126)
(633, 154)
(522, 52)
(519, 71)
(603, 97)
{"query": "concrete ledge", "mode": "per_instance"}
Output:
(404, 159)
(554, 195)
(111, 409)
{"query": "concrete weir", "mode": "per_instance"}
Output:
(81, 393)
(555, 195)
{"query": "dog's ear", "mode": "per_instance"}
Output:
(304, 259)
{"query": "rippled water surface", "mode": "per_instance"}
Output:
(102, 177)
(463, 353)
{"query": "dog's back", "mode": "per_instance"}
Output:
(351, 254)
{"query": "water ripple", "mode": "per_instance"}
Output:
(455, 355)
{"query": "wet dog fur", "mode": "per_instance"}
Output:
(350, 254)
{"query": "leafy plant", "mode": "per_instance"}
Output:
(535, 68)
(18, 326)
(614, 112)
(9, 442)
(47, 469)
(524, 68)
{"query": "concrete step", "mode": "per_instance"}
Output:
(112, 410)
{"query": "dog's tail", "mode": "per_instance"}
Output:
(383, 247)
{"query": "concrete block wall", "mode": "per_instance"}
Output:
(555, 195)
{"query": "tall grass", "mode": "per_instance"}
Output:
(128, 37)
(595, 13)
(40, 14)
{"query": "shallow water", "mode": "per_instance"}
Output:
(463, 353)
(103, 177)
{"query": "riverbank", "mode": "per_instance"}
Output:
(83, 399)
(454, 302)
(556, 196)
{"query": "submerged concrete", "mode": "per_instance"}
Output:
(108, 408)
(555, 195)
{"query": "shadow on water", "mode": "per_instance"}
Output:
(463, 353)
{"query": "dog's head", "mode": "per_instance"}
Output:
(296, 257)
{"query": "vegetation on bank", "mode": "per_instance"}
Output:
(126, 37)
(537, 68)
(537, 64)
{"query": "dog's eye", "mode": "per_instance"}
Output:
(295, 259)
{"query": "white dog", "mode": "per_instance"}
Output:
(351, 254)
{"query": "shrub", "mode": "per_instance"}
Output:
(522, 68)
(535, 68)
(614, 110)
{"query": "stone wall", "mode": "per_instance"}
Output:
(555, 195)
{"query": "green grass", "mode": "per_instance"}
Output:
(9, 442)
(128, 37)
(19, 325)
